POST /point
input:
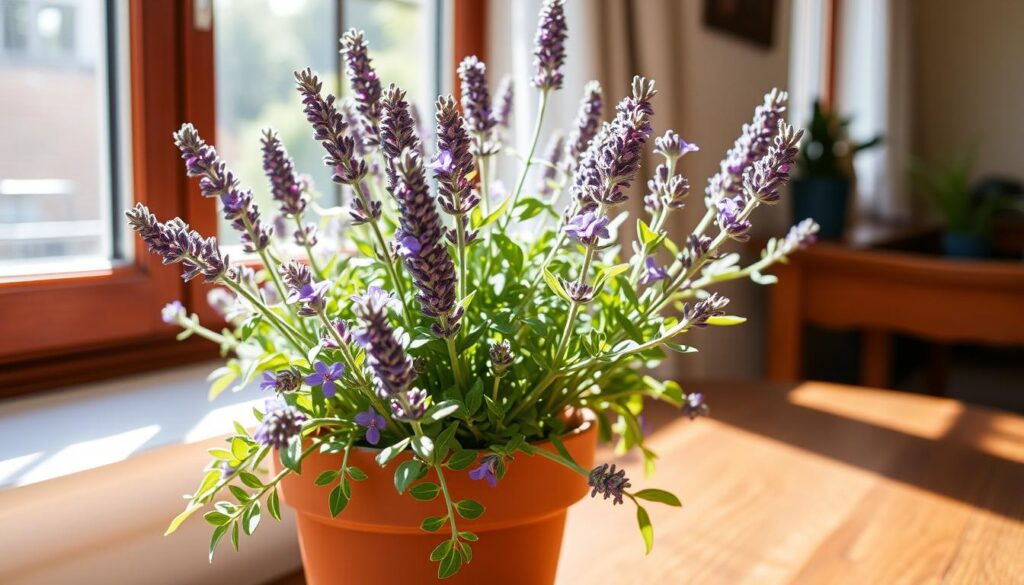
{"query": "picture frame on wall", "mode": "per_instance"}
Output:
(750, 20)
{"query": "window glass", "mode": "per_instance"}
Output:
(57, 195)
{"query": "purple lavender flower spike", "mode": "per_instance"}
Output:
(587, 228)
(553, 155)
(397, 131)
(175, 242)
(753, 143)
(173, 312)
(476, 103)
(730, 220)
(216, 180)
(431, 266)
(287, 380)
(285, 186)
(653, 272)
(610, 163)
(771, 172)
(694, 405)
(373, 423)
(487, 470)
(330, 129)
(608, 482)
(799, 236)
(549, 46)
(296, 275)
(666, 190)
(280, 423)
(392, 366)
(453, 165)
(698, 313)
(365, 85)
(325, 376)
(504, 99)
(588, 122)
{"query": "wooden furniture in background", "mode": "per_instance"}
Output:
(814, 483)
(882, 292)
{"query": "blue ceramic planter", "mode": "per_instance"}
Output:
(958, 245)
(825, 200)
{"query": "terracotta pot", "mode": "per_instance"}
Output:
(377, 539)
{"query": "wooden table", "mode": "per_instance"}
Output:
(819, 483)
(816, 483)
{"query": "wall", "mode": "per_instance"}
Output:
(968, 83)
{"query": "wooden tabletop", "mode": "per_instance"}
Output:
(817, 483)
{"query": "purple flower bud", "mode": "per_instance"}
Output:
(373, 423)
(666, 190)
(694, 405)
(653, 272)
(579, 292)
(282, 381)
(503, 102)
(285, 186)
(387, 358)
(549, 172)
(501, 357)
(343, 331)
(312, 296)
(588, 122)
(307, 236)
(487, 470)
(365, 85)
(296, 275)
(173, 312)
(280, 423)
(672, 146)
(799, 236)
(698, 313)
(730, 218)
(549, 45)
(608, 482)
(587, 228)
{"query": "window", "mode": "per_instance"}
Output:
(92, 90)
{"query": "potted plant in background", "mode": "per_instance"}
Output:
(967, 214)
(821, 189)
(436, 401)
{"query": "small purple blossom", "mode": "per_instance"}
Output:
(653, 272)
(672, 146)
(373, 423)
(325, 376)
(173, 312)
(287, 380)
(698, 313)
(730, 218)
(549, 46)
(487, 470)
(665, 190)
(694, 405)
(587, 228)
(608, 482)
(312, 296)
(280, 423)
(344, 332)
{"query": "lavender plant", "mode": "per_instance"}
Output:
(458, 335)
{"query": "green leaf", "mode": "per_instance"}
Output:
(407, 472)
(450, 564)
(217, 518)
(646, 529)
(234, 536)
(468, 536)
(461, 460)
(217, 535)
(441, 551)
(469, 509)
(251, 518)
(678, 347)
(337, 500)
(326, 478)
(388, 453)
(425, 491)
(645, 233)
(555, 286)
(189, 510)
(239, 448)
(613, 271)
(221, 384)
(423, 446)
(291, 455)
(494, 215)
(250, 480)
(441, 410)
(726, 320)
(274, 505)
(444, 440)
(241, 495)
(433, 523)
(355, 473)
(466, 551)
(468, 299)
(661, 496)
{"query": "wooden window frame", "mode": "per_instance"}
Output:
(65, 329)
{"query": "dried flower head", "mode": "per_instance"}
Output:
(608, 482)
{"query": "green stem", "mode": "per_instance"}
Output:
(447, 501)
(529, 159)
(309, 251)
(453, 354)
(289, 332)
(361, 191)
